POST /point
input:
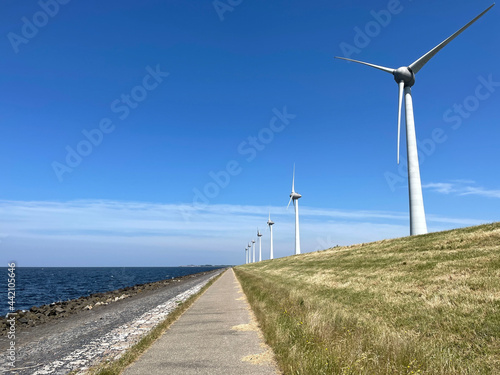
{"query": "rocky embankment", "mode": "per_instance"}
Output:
(45, 313)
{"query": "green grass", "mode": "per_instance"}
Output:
(134, 352)
(426, 304)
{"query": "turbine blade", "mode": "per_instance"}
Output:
(419, 64)
(293, 179)
(383, 68)
(290, 201)
(401, 89)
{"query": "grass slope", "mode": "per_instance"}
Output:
(426, 304)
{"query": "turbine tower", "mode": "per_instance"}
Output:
(259, 235)
(253, 250)
(405, 78)
(270, 224)
(250, 253)
(294, 197)
(246, 255)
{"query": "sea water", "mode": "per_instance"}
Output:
(35, 286)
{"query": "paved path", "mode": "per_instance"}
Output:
(69, 343)
(217, 335)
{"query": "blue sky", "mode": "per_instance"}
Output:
(162, 132)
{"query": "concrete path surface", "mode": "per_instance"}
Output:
(216, 335)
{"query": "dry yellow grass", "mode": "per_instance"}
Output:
(425, 304)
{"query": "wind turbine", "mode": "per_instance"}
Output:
(259, 235)
(250, 253)
(253, 250)
(270, 224)
(294, 197)
(405, 78)
(246, 255)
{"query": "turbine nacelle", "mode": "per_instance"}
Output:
(270, 222)
(293, 195)
(406, 75)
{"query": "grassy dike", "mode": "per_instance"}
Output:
(426, 304)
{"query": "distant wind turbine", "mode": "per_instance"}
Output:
(259, 235)
(250, 253)
(294, 197)
(270, 224)
(253, 250)
(246, 255)
(405, 78)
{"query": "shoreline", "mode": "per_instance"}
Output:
(38, 315)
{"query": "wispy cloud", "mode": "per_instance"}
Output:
(98, 232)
(461, 188)
(470, 190)
(440, 187)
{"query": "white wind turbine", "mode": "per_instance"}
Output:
(253, 250)
(270, 223)
(405, 78)
(250, 253)
(294, 197)
(259, 235)
(246, 255)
